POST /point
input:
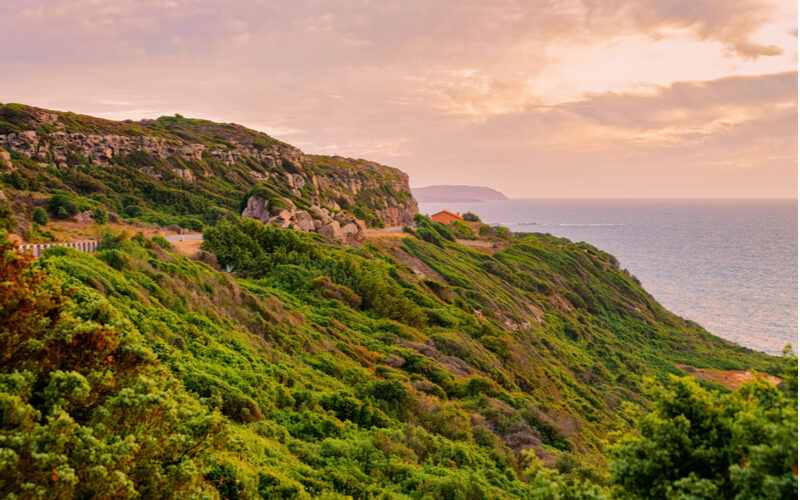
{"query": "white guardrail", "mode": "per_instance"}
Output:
(38, 248)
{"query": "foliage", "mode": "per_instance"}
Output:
(62, 205)
(550, 484)
(100, 215)
(698, 443)
(86, 409)
(470, 217)
(411, 367)
(462, 230)
(7, 221)
(40, 216)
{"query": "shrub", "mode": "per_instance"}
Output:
(39, 216)
(100, 215)
(132, 211)
(462, 229)
(470, 217)
(6, 216)
(77, 386)
(215, 215)
(740, 445)
(487, 231)
(63, 205)
(162, 242)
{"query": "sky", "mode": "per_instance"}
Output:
(536, 98)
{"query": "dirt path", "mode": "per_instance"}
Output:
(729, 378)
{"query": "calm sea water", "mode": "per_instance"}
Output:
(729, 265)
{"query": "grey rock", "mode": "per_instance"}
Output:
(303, 221)
(331, 231)
(256, 209)
(86, 217)
(184, 173)
(353, 234)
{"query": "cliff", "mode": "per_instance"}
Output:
(176, 166)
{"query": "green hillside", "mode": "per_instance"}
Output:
(404, 369)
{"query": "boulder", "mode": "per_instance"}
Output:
(331, 231)
(283, 214)
(353, 234)
(256, 209)
(321, 213)
(343, 217)
(184, 173)
(86, 217)
(303, 221)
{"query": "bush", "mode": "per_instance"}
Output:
(132, 211)
(739, 445)
(470, 217)
(162, 242)
(100, 215)
(87, 411)
(462, 229)
(6, 216)
(39, 216)
(63, 205)
(215, 215)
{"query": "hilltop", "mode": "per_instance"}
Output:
(454, 193)
(188, 172)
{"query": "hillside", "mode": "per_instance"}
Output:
(280, 362)
(188, 172)
(445, 193)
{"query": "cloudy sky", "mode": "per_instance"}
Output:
(537, 98)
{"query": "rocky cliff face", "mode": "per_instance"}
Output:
(198, 150)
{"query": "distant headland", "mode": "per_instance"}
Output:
(441, 193)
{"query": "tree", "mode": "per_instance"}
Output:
(39, 216)
(702, 444)
(86, 411)
(470, 217)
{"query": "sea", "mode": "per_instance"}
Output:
(729, 265)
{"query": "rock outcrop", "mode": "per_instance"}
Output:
(175, 149)
(338, 227)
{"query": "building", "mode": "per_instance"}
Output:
(446, 217)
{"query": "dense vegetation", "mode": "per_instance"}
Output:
(404, 369)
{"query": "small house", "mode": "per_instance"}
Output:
(446, 217)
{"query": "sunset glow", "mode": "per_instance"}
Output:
(614, 98)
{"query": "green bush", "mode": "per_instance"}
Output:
(40, 216)
(63, 205)
(162, 242)
(470, 217)
(462, 229)
(87, 410)
(702, 444)
(7, 221)
(100, 215)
